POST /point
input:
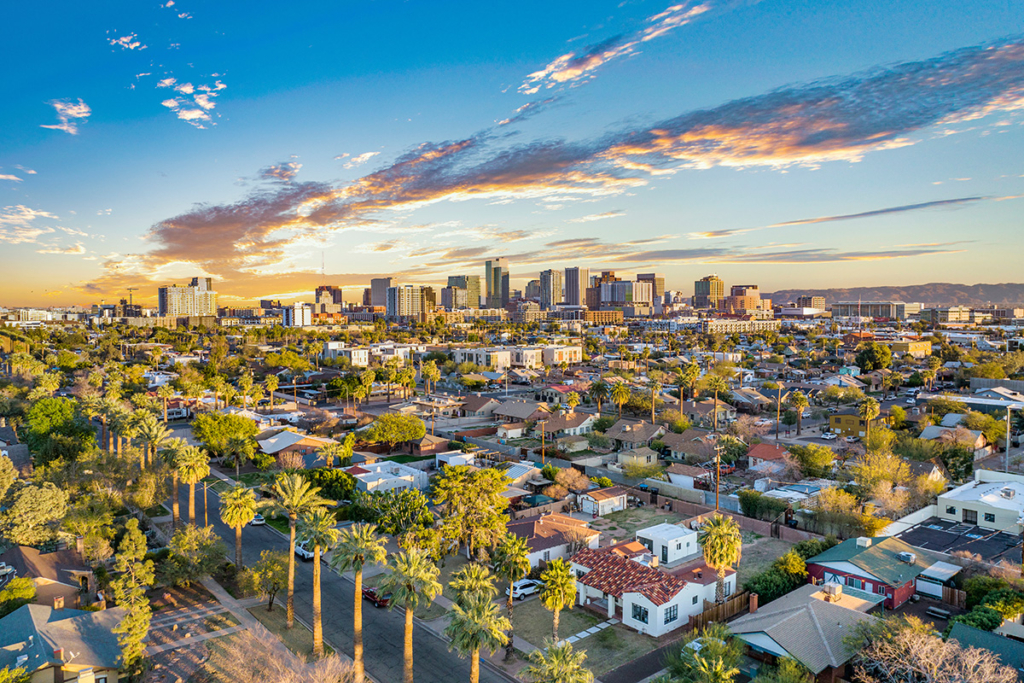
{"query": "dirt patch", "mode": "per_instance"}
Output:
(758, 554)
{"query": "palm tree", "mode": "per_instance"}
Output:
(620, 395)
(241, 450)
(329, 452)
(193, 466)
(237, 508)
(359, 545)
(165, 392)
(559, 590)
(293, 496)
(599, 392)
(170, 456)
(722, 543)
(471, 581)
(476, 626)
(412, 581)
(716, 384)
(271, 383)
(868, 411)
(655, 387)
(572, 400)
(316, 528)
(558, 664)
(714, 670)
(153, 433)
(512, 563)
(798, 401)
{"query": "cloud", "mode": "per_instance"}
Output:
(73, 231)
(76, 250)
(528, 110)
(194, 102)
(128, 42)
(4, 176)
(358, 160)
(283, 171)
(574, 67)
(68, 113)
(17, 224)
(29, 171)
(597, 217)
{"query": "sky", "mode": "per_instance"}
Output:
(275, 147)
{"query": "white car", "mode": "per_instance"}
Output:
(829, 436)
(523, 588)
(805, 414)
(852, 439)
(764, 423)
(258, 520)
(911, 401)
(302, 551)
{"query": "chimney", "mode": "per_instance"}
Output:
(753, 603)
(58, 654)
(58, 602)
(80, 545)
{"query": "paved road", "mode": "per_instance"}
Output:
(383, 630)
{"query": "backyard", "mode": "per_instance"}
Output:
(758, 554)
(623, 525)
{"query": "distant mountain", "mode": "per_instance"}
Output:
(933, 294)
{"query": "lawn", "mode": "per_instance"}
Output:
(623, 525)
(533, 623)
(253, 478)
(614, 646)
(758, 554)
(298, 639)
(279, 523)
(403, 459)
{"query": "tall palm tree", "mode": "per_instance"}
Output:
(798, 401)
(170, 454)
(330, 452)
(358, 546)
(655, 387)
(722, 543)
(716, 384)
(512, 563)
(165, 392)
(412, 582)
(558, 664)
(474, 627)
(153, 433)
(193, 467)
(316, 528)
(599, 392)
(620, 395)
(559, 590)
(237, 508)
(271, 383)
(572, 400)
(293, 496)
(473, 580)
(868, 411)
(241, 450)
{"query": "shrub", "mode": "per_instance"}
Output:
(984, 618)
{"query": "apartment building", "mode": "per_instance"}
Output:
(499, 359)
(357, 357)
(576, 282)
(886, 310)
(470, 283)
(197, 298)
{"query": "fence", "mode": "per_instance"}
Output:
(557, 506)
(954, 596)
(720, 611)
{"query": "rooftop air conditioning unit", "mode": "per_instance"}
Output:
(833, 592)
(1007, 492)
(909, 558)
(863, 542)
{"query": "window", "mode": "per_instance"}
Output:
(679, 546)
(695, 599)
(880, 589)
(547, 555)
(671, 614)
(950, 510)
(990, 517)
(854, 583)
(580, 573)
(639, 613)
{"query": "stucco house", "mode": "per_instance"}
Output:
(670, 543)
(387, 475)
(767, 458)
(553, 536)
(630, 434)
(687, 475)
(601, 502)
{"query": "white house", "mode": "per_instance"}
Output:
(357, 357)
(994, 500)
(453, 458)
(669, 543)
(601, 502)
(554, 536)
(767, 458)
(686, 475)
(387, 475)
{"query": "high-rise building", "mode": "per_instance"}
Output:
(367, 296)
(657, 281)
(708, 292)
(496, 276)
(891, 310)
(404, 301)
(379, 291)
(470, 283)
(328, 299)
(454, 298)
(550, 289)
(621, 293)
(532, 289)
(808, 301)
(195, 299)
(429, 298)
(742, 298)
(297, 315)
(576, 282)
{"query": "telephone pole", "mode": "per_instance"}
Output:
(718, 471)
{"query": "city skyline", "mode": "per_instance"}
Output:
(744, 139)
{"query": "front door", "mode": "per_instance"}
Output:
(970, 516)
(664, 554)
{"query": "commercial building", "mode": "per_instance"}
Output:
(576, 282)
(328, 299)
(737, 325)
(470, 283)
(945, 315)
(532, 290)
(626, 293)
(708, 291)
(454, 298)
(916, 349)
(197, 298)
(550, 288)
(404, 301)
(808, 301)
(496, 277)
(994, 500)
(556, 355)
(297, 315)
(657, 281)
(742, 298)
(886, 310)
(379, 291)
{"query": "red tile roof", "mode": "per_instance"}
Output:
(615, 575)
(767, 451)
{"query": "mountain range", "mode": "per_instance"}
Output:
(932, 294)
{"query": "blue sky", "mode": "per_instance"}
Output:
(791, 144)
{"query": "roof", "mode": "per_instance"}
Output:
(548, 531)
(87, 634)
(606, 494)
(666, 531)
(561, 421)
(57, 566)
(616, 575)
(633, 431)
(689, 441)
(475, 403)
(687, 470)
(286, 438)
(1005, 495)
(428, 439)
(518, 409)
(767, 451)
(811, 630)
(936, 432)
(1010, 652)
(880, 559)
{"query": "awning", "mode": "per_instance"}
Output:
(941, 571)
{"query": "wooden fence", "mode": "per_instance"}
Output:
(720, 611)
(954, 596)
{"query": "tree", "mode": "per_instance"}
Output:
(621, 395)
(238, 508)
(716, 385)
(559, 590)
(558, 663)
(153, 434)
(342, 452)
(472, 581)
(271, 383)
(215, 430)
(240, 449)
(170, 456)
(474, 627)
(394, 428)
(798, 402)
(599, 391)
(268, 576)
(412, 582)
(8, 475)
(572, 479)
(293, 496)
(471, 505)
(134, 575)
(398, 511)
(512, 563)
(16, 675)
(193, 466)
(16, 593)
(358, 546)
(195, 552)
(316, 529)
(789, 670)
(33, 514)
(53, 416)
(873, 356)
(717, 649)
(868, 411)
(815, 460)
(655, 387)
(572, 400)
(722, 543)
(256, 658)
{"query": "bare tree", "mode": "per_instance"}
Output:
(290, 460)
(262, 659)
(577, 538)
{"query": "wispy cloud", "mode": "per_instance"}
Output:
(527, 110)
(17, 224)
(128, 42)
(357, 160)
(76, 250)
(284, 171)
(29, 171)
(194, 103)
(597, 217)
(69, 113)
(5, 176)
(574, 67)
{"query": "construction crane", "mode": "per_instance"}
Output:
(130, 290)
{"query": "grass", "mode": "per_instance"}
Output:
(613, 647)
(156, 511)
(627, 522)
(279, 523)
(253, 478)
(758, 554)
(403, 459)
(533, 623)
(298, 639)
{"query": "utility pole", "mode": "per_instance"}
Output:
(718, 471)
(543, 451)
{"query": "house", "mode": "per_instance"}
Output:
(976, 442)
(564, 423)
(387, 475)
(1008, 651)
(670, 543)
(62, 574)
(994, 500)
(703, 412)
(691, 442)
(520, 411)
(453, 459)
(630, 434)
(687, 476)
(553, 536)
(883, 566)
(933, 470)
(767, 458)
(280, 441)
(572, 444)
(520, 474)
(600, 502)
(512, 430)
(61, 644)
(479, 406)
(811, 626)
(750, 400)
(642, 456)
(623, 582)
(850, 423)
(559, 393)
(261, 421)
(844, 381)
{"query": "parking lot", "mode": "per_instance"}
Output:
(948, 537)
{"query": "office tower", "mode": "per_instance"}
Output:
(657, 281)
(270, 303)
(470, 283)
(367, 296)
(404, 301)
(533, 289)
(454, 298)
(576, 282)
(550, 289)
(708, 292)
(621, 293)
(195, 299)
(297, 315)
(328, 299)
(496, 279)
(808, 301)
(742, 298)
(429, 298)
(379, 291)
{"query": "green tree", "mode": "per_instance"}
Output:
(721, 541)
(472, 506)
(716, 644)
(599, 391)
(868, 411)
(16, 675)
(716, 385)
(33, 514)
(134, 575)
(815, 460)
(238, 508)
(153, 434)
(412, 582)
(16, 593)
(268, 576)
(394, 428)
(195, 552)
(316, 529)
(558, 663)
(621, 395)
(170, 455)
(358, 546)
(873, 356)
(798, 402)
(193, 466)
(475, 627)
(215, 431)
(559, 590)
(471, 581)
(511, 563)
(240, 450)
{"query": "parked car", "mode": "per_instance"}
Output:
(376, 598)
(852, 439)
(829, 436)
(806, 414)
(523, 588)
(302, 551)
(258, 520)
(911, 401)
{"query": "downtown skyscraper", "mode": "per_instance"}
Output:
(576, 282)
(496, 276)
